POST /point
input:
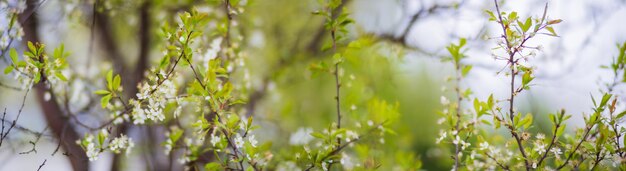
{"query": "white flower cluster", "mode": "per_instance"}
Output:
(156, 96)
(211, 53)
(122, 143)
(168, 144)
(488, 163)
(351, 135)
(347, 162)
(215, 139)
(458, 140)
(90, 148)
(14, 33)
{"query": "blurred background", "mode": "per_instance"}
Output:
(401, 65)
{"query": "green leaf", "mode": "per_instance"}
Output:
(31, 47)
(102, 92)
(551, 30)
(527, 121)
(490, 101)
(9, 69)
(37, 77)
(13, 54)
(110, 79)
(60, 76)
(101, 138)
(105, 100)
(462, 42)
(212, 166)
(175, 135)
(513, 16)
(496, 122)
(116, 82)
(552, 118)
(337, 58)
(605, 99)
(492, 17)
(477, 107)
(526, 78)
(516, 120)
(318, 135)
(466, 69)
(527, 24)
(620, 115)
(559, 131)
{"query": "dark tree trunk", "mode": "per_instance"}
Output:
(56, 120)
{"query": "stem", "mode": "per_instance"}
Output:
(337, 89)
(498, 163)
(229, 19)
(511, 52)
(457, 149)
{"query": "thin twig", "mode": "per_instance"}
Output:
(552, 142)
(337, 150)
(498, 163)
(44, 163)
(19, 113)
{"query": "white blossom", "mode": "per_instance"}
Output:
(346, 162)
(121, 143)
(215, 139)
(90, 148)
(540, 136)
(252, 141)
(139, 116)
(92, 152)
(243, 124)
(301, 136)
(213, 50)
(351, 135)
(239, 141)
(442, 135)
(540, 148)
(484, 145)
(557, 152)
(444, 101)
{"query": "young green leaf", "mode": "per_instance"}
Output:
(102, 92)
(9, 69)
(13, 55)
(60, 76)
(110, 79)
(466, 70)
(105, 100)
(116, 82)
(551, 30)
